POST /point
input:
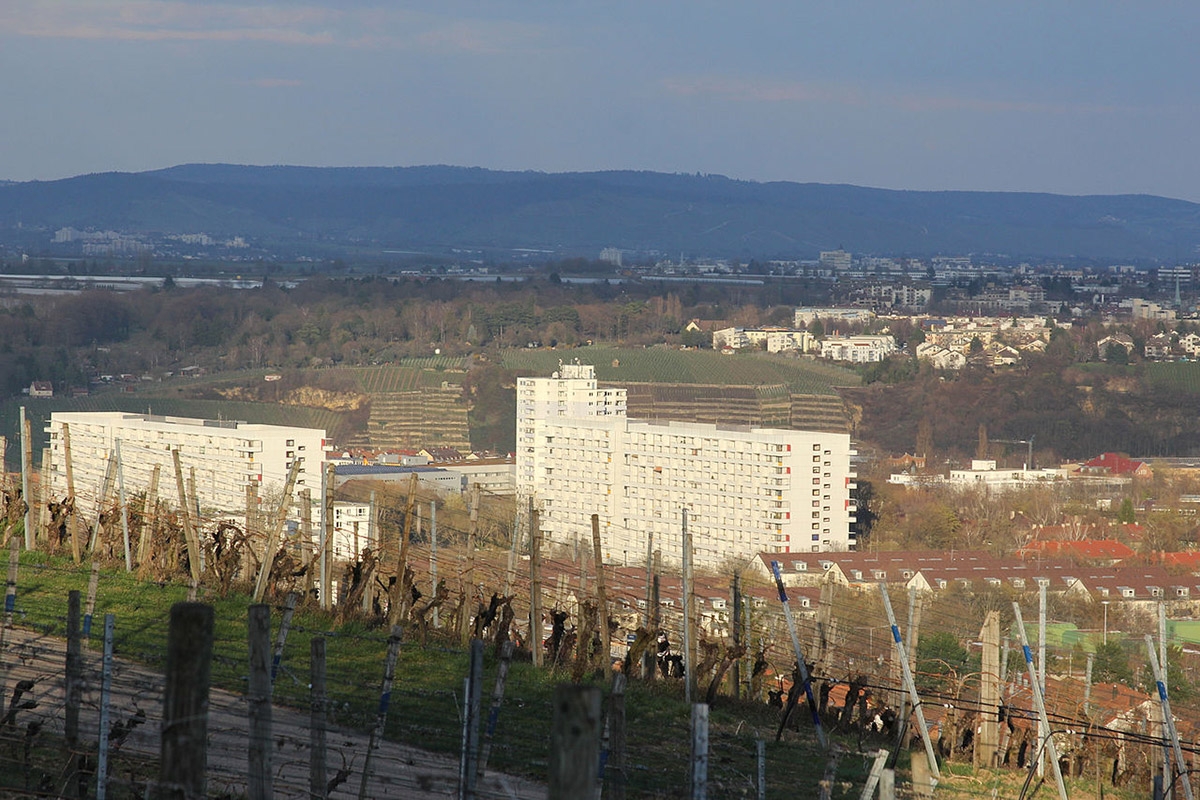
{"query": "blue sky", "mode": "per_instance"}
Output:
(1068, 97)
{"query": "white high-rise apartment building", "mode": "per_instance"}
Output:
(226, 456)
(747, 490)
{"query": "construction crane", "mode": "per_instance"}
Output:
(1029, 442)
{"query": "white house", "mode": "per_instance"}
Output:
(858, 349)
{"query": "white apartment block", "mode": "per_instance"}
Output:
(858, 349)
(783, 341)
(747, 490)
(734, 338)
(837, 260)
(776, 340)
(226, 456)
(805, 316)
(353, 529)
(1145, 309)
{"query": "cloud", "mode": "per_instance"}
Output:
(763, 91)
(305, 24)
(275, 83)
(798, 92)
(489, 37)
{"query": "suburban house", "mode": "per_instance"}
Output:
(1116, 464)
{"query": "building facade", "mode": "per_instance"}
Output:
(226, 457)
(353, 530)
(746, 490)
(858, 349)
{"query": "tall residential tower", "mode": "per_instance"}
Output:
(747, 490)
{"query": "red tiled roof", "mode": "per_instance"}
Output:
(1115, 464)
(1189, 559)
(1088, 549)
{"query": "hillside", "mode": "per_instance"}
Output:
(300, 210)
(668, 365)
(1072, 411)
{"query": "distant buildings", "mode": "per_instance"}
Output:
(836, 260)
(747, 490)
(858, 349)
(984, 474)
(807, 315)
(777, 340)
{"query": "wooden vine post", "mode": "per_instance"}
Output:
(26, 470)
(72, 517)
(601, 600)
(149, 515)
(189, 533)
(398, 601)
(535, 585)
(468, 579)
(264, 570)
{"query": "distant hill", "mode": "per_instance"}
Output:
(440, 209)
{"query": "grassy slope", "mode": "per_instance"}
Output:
(691, 366)
(424, 706)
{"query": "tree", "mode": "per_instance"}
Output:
(1179, 686)
(1111, 664)
(1125, 513)
(1116, 354)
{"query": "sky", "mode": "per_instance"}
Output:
(1047, 96)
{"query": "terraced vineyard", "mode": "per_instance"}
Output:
(1179, 378)
(708, 387)
(383, 379)
(664, 365)
(431, 417)
(415, 403)
(811, 412)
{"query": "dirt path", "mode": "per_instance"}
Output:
(398, 771)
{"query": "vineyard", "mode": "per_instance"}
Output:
(1178, 378)
(665, 365)
(424, 719)
(389, 621)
